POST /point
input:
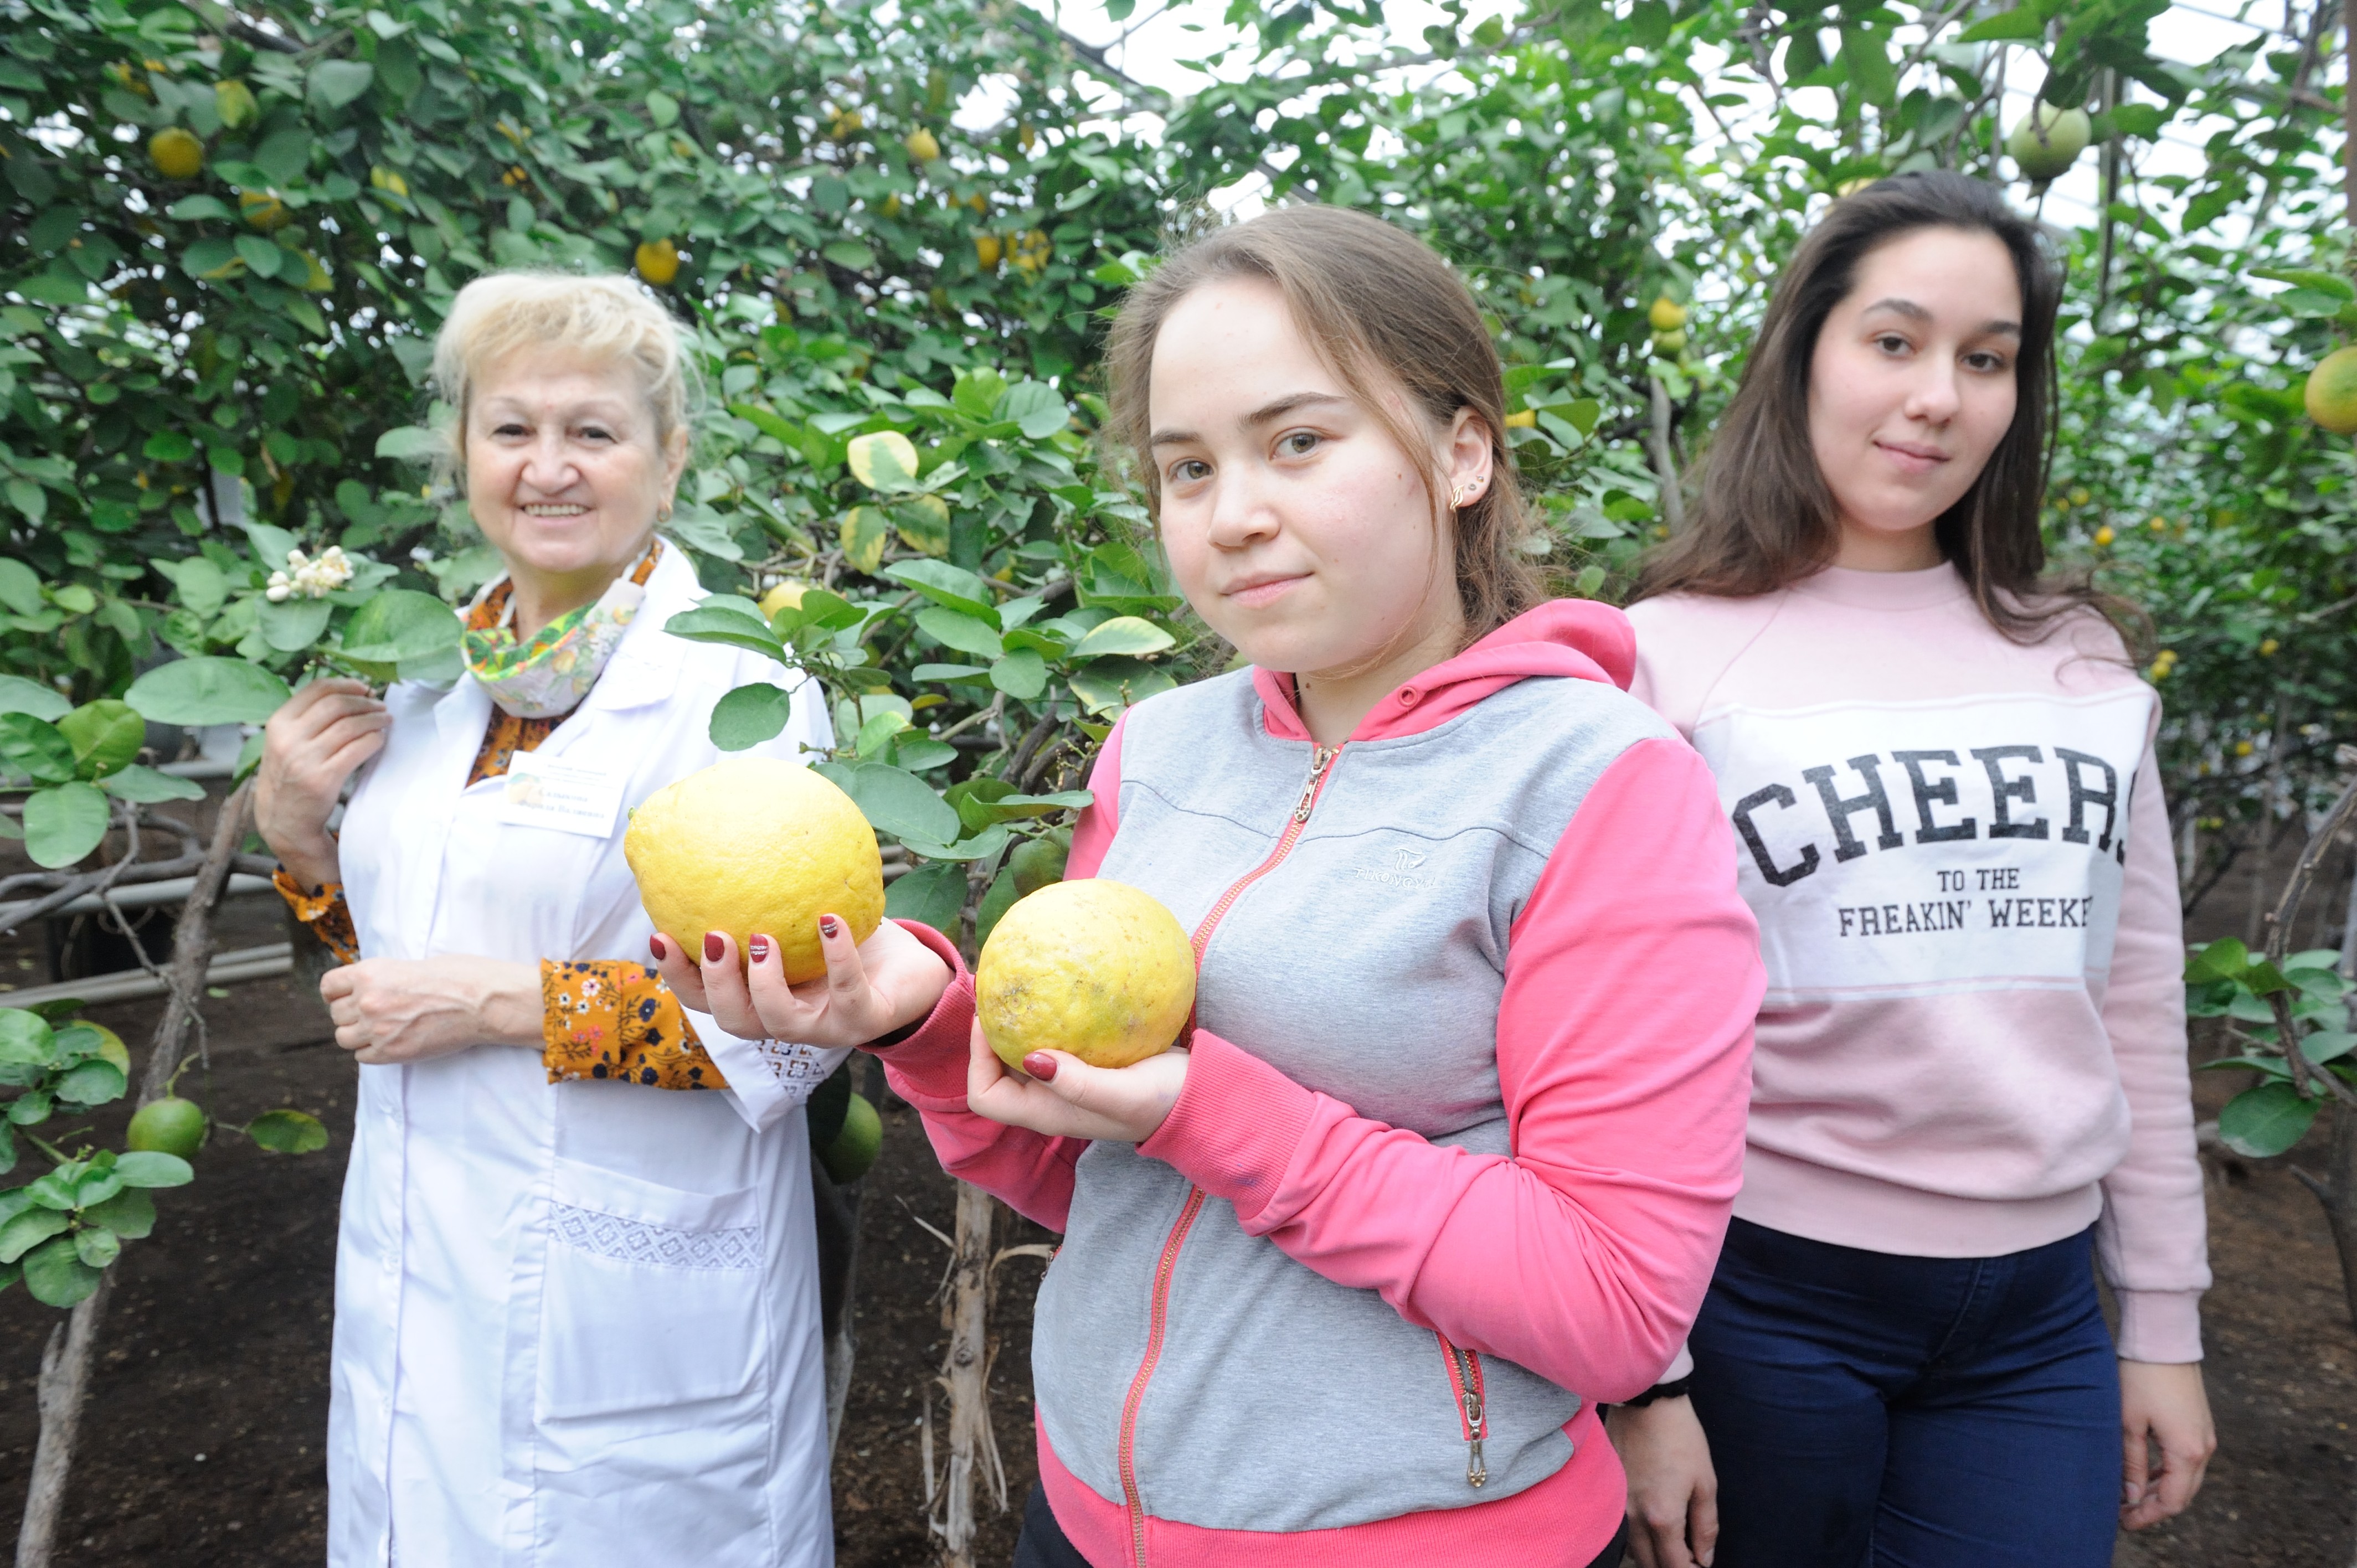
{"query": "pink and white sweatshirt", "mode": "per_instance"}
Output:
(1461, 1123)
(1972, 1041)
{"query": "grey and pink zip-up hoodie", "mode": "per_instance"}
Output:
(1460, 1131)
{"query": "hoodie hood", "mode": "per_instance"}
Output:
(1576, 639)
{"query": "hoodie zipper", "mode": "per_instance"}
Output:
(1321, 764)
(1465, 1379)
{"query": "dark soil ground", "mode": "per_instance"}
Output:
(202, 1444)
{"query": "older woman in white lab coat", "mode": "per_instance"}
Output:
(576, 1310)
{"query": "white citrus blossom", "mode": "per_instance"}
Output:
(307, 578)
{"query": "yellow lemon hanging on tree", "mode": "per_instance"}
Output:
(264, 209)
(1666, 315)
(756, 844)
(1031, 252)
(657, 261)
(2332, 391)
(177, 154)
(921, 145)
(233, 100)
(1093, 967)
(787, 595)
(985, 252)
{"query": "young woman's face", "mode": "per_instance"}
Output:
(564, 474)
(1911, 388)
(1296, 525)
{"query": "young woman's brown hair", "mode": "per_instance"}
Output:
(1383, 309)
(1765, 517)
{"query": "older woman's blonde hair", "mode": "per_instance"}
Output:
(601, 316)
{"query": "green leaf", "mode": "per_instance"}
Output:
(261, 257)
(20, 591)
(981, 846)
(1109, 685)
(849, 254)
(703, 528)
(957, 629)
(97, 1246)
(130, 1214)
(1035, 406)
(290, 626)
(2327, 1044)
(750, 715)
(56, 1275)
(729, 628)
(144, 786)
(1042, 805)
(951, 588)
(996, 902)
(287, 1131)
(978, 392)
(1868, 60)
(2264, 1122)
(1124, 634)
(896, 802)
(1022, 674)
(399, 625)
(337, 82)
(28, 1229)
(2224, 959)
(865, 534)
(19, 696)
(409, 443)
(64, 823)
(146, 1168)
(2008, 27)
(26, 1038)
(207, 689)
(91, 1083)
(105, 736)
(932, 895)
(36, 749)
(2309, 278)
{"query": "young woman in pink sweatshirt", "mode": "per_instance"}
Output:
(1971, 1064)
(1447, 1154)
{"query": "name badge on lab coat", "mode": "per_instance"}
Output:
(570, 797)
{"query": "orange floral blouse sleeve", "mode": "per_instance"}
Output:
(600, 1017)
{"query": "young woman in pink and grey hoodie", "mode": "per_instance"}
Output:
(1970, 1067)
(1447, 1155)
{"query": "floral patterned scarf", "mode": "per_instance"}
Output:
(548, 676)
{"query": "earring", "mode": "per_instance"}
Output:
(662, 511)
(1462, 495)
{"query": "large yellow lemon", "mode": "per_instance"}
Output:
(1666, 315)
(756, 844)
(177, 154)
(787, 593)
(657, 261)
(922, 144)
(1095, 968)
(2332, 391)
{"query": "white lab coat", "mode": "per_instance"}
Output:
(577, 1324)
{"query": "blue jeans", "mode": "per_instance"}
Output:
(1908, 1412)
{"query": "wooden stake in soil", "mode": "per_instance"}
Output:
(65, 1363)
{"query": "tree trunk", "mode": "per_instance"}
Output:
(65, 1364)
(966, 1373)
(2338, 1192)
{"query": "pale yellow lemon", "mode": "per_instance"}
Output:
(756, 844)
(1094, 968)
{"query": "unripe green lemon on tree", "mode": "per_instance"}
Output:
(858, 1145)
(657, 261)
(1667, 314)
(1094, 968)
(168, 1126)
(1670, 344)
(756, 844)
(2049, 140)
(2332, 391)
(177, 154)
(1037, 863)
(921, 145)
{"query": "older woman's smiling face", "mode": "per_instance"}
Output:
(565, 472)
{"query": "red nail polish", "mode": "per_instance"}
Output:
(1039, 1065)
(829, 927)
(713, 946)
(654, 946)
(757, 949)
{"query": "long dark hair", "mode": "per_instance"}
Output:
(1379, 304)
(1765, 517)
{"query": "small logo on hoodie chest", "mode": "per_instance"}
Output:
(1396, 869)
